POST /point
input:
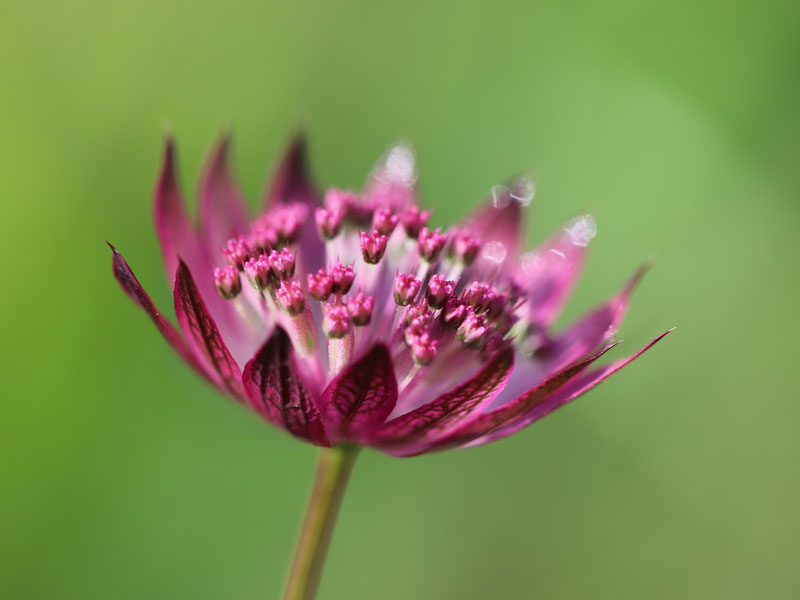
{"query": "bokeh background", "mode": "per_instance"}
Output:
(675, 123)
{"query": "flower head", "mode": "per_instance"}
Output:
(447, 343)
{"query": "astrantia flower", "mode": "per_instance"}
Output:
(353, 321)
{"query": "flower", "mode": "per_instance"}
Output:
(446, 340)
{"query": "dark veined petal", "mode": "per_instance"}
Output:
(358, 400)
(414, 431)
(131, 286)
(200, 330)
(576, 387)
(276, 391)
(223, 211)
(292, 182)
(494, 420)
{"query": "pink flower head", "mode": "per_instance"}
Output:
(406, 289)
(413, 220)
(465, 247)
(430, 244)
(338, 321)
(342, 277)
(373, 245)
(228, 281)
(457, 350)
(360, 309)
(236, 252)
(329, 221)
(282, 263)
(291, 297)
(384, 220)
(259, 272)
(320, 285)
(439, 290)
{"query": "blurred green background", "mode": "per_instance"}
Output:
(675, 123)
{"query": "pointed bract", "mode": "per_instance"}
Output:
(576, 387)
(131, 286)
(497, 418)
(223, 211)
(592, 330)
(173, 226)
(292, 183)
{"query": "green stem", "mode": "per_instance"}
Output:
(330, 481)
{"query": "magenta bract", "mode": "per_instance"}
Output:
(334, 324)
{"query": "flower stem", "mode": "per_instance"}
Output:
(330, 481)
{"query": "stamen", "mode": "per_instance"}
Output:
(360, 309)
(262, 238)
(291, 298)
(473, 332)
(259, 272)
(236, 252)
(431, 244)
(384, 221)
(282, 263)
(342, 277)
(228, 281)
(320, 285)
(464, 247)
(373, 246)
(406, 289)
(287, 219)
(439, 290)
(329, 222)
(414, 220)
(454, 312)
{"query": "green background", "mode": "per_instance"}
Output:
(675, 123)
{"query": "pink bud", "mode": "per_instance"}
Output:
(454, 312)
(228, 281)
(373, 246)
(287, 219)
(424, 349)
(465, 247)
(258, 271)
(439, 290)
(262, 238)
(473, 331)
(236, 252)
(431, 243)
(406, 289)
(384, 221)
(360, 309)
(343, 277)
(329, 222)
(417, 312)
(414, 220)
(291, 298)
(320, 285)
(338, 322)
(282, 263)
